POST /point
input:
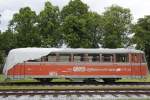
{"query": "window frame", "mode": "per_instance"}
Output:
(111, 58)
(127, 60)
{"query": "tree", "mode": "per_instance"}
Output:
(8, 41)
(73, 26)
(74, 8)
(75, 35)
(142, 35)
(24, 26)
(94, 29)
(1, 53)
(1, 60)
(81, 28)
(48, 25)
(117, 22)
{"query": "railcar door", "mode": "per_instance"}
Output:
(122, 64)
(136, 64)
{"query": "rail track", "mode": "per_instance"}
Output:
(78, 90)
(75, 90)
(89, 94)
(73, 83)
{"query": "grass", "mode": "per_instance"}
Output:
(85, 87)
(147, 79)
(3, 79)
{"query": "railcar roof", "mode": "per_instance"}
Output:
(99, 50)
(76, 50)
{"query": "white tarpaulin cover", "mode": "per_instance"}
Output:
(20, 55)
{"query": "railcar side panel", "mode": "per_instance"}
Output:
(63, 70)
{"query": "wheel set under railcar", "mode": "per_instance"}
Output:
(85, 64)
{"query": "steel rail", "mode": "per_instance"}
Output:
(75, 92)
(72, 83)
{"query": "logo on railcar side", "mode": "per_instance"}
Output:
(79, 69)
(84, 69)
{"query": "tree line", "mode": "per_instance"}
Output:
(76, 27)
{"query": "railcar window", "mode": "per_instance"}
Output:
(44, 59)
(64, 57)
(84, 57)
(80, 57)
(77, 57)
(94, 57)
(107, 57)
(122, 58)
(52, 57)
(135, 58)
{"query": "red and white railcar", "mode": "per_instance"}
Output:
(49, 63)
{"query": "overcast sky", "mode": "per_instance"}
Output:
(138, 8)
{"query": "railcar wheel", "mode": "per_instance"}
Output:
(90, 80)
(110, 80)
(44, 80)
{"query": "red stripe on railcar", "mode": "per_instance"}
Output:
(79, 70)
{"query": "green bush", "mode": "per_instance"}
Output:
(1, 60)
